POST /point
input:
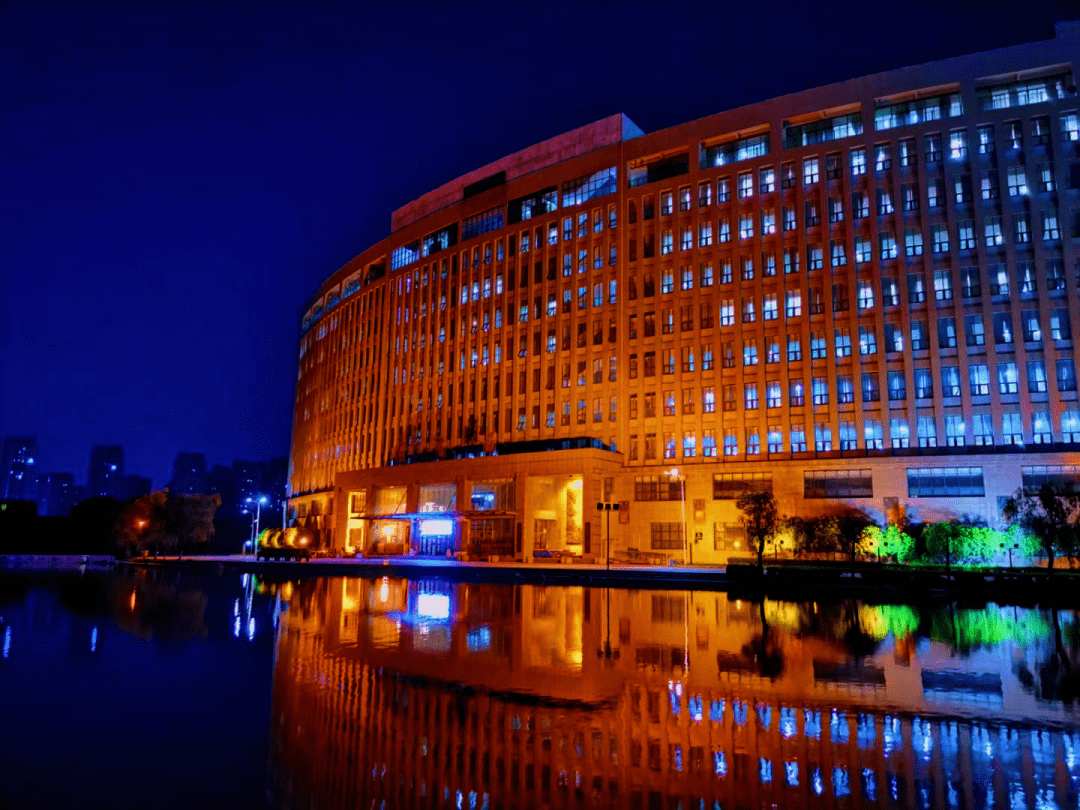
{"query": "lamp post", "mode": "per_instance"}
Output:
(688, 550)
(258, 501)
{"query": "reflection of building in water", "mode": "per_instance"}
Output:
(439, 695)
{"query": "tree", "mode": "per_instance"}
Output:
(1051, 513)
(890, 541)
(161, 521)
(760, 519)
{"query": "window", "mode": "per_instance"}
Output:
(909, 194)
(1041, 432)
(1066, 375)
(982, 429)
(705, 193)
(746, 185)
(945, 482)
(731, 442)
(894, 337)
(796, 394)
(958, 145)
(950, 381)
(836, 210)
(767, 180)
(1031, 326)
(867, 340)
(932, 145)
(974, 330)
(798, 438)
(822, 437)
(845, 389)
(860, 205)
(897, 386)
(872, 434)
(965, 233)
(1060, 327)
(708, 443)
(666, 536)
(858, 161)
(793, 303)
(794, 349)
(919, 339)
(1050, 226)
(775, 439)
(730, 486)
(1007, 378)
(884, 202)
(935, 196)
(924, 384)
(819, 388)
(666, 206)
(842, 344)
(1017, 181)
(866, 294)
(986, 139)
(810, 171)
(1055, 274)
(871, 390)
(832, 484)
(941, 238)
(979, 379)
(926, 430)
(882, 160)
(1064, 476)
(1021, 229)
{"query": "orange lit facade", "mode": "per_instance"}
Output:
(861, 295)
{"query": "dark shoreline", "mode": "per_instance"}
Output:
(807, 581)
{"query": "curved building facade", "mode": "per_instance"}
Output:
(860, 296)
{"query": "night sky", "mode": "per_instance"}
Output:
(178, 178)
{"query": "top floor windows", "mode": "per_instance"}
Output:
(490, 220)
(406, 254)
(826, 129)
(917, 111)
(1026, 91)
(440, 240)
(732, 151)
(533, 205)
(589, 187)
(656, 168)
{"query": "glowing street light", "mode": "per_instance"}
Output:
(258, 501)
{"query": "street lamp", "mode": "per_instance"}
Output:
(258, 501)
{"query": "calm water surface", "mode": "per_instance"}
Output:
(169, 690)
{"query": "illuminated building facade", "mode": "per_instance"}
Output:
(861, 295)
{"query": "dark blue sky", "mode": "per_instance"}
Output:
(178, 177)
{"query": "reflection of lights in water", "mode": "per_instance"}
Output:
(133, 601)
(384, 590)
(764, 770)
(869, 785)
(236, 626)
(93, 639)
(236, 607)
(719, 763)
(791, 773)
(7, 641)
(694, 706)
(479, 639)
(840, 783)
(675, 696)
(251, 629)
(789, 726)
(244, 579)
(433, 605)
(819, 785)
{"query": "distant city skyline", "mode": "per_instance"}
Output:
(24, 477)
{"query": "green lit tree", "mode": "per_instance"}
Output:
(1052, 514)
(761, 520)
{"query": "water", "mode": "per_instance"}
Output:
(136, 690)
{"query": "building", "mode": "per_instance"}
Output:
(861, 296)
(55, 494)
(189, 474)
(131, 487)
(105, 471)
(17, 468)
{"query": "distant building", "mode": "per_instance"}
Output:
(106, 470)
(189, 474)
(17, 467)
(55, 494)
(133, 486)
(221, 480)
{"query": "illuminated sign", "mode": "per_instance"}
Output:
(436, 528)
(433, 606)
